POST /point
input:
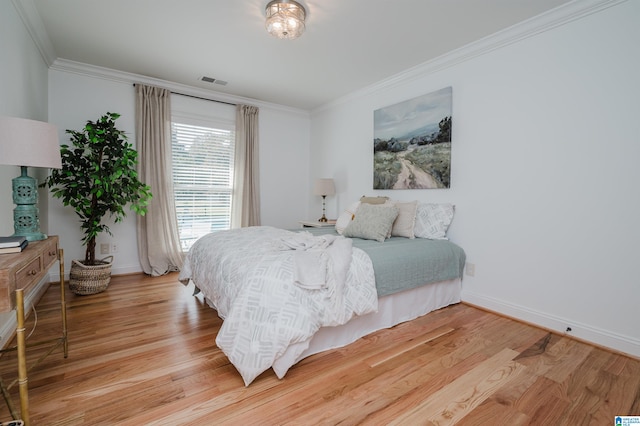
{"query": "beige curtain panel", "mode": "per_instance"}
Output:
(158, 237)
(245, 209)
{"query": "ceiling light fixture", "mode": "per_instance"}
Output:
(285, 19)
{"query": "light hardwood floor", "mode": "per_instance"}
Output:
(143, 353)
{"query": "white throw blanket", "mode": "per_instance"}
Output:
(310, 258)
(322, 262)
(275, 288)
(311, 269)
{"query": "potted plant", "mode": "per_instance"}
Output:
(98, 177)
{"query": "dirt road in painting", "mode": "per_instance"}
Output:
(412, 177)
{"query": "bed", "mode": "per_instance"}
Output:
(265, 284)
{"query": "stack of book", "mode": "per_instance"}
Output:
(12, 244)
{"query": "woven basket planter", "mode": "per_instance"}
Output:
(90, 279)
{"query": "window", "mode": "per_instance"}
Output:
(202, 178)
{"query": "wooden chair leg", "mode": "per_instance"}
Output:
(63, 304)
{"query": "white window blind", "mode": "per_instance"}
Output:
(202, 179)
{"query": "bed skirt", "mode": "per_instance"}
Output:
(392, 310)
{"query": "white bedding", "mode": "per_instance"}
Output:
(253, 278)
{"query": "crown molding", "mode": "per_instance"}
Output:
(109, 74)
(546, 21)
(35, 27)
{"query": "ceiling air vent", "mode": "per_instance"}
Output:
(213, 80)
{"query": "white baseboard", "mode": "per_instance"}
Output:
(589, 333)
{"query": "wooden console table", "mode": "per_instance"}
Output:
(19, 273)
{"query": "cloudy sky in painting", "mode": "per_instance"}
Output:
(403, 118)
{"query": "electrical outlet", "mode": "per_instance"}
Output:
(104, 248)
(114, 248)
(470, 269)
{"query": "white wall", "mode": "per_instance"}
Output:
(23, 93)
(284, 167)
(544, 171)
(77, 96)
(74, 99)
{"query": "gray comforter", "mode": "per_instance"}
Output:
(402, 263)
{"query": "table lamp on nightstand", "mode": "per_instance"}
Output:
(28, 143)
(324, 187)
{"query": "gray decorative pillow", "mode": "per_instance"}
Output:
(372, 222)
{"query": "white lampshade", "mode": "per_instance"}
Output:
(29, 143)
(324, 186)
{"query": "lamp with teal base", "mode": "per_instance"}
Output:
(28, 143)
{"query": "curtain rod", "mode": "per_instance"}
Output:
(198, 97)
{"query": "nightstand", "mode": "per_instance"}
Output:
(316, 224)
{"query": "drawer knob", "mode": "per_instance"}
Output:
(33, 272)
(52, 253)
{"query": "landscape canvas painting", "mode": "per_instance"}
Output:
(412, 143)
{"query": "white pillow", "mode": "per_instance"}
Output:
(433, 220)
(345, 217)
(405, 222)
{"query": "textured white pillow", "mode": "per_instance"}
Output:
(372, 222)
(433, 220)
(405, 222)
(346, 217)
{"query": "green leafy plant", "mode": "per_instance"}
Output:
(98, 177)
